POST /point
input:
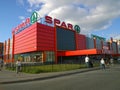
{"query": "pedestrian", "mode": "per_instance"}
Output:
(90, 64)
(102, 63)
(18, 66)
(87, 61)
(111, 61)
(5, 64)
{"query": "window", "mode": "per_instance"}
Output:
(30, 57)
(50, 56)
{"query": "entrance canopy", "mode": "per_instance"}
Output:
(79, 52)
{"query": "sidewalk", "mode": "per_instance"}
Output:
(7, 77)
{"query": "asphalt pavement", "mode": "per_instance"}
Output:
(7, 77)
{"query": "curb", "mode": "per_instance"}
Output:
(49, 77)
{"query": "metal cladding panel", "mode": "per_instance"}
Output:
(118, 49)
(98, 44)
(114, 48)
(25, 41)
(89, 43)
(45, 37)
(105, 43)
(65, 39)
(81, 42)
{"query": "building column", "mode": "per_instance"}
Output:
(8, 50)
(117, 47)
(5, 51)
(102, 46)
(13, 40)
(94, 43)
(55, 43)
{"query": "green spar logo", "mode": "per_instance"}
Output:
(34, 17)
(77, 28)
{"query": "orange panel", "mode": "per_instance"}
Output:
(78, 52)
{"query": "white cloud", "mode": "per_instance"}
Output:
(20, 2)
(88, 14)
(21, 17)
(29, 10)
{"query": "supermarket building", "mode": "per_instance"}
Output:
(53, 41)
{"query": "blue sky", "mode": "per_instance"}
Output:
(112, 31)
(97, 17)
(9, 17)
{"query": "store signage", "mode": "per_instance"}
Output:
(57, 22)
(21, 26)
(26, 23)
(98, 37)
(34, 18)
(77, 28)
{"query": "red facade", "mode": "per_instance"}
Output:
(45, 37)
(37, 37)
(81, 42)
(25, 41)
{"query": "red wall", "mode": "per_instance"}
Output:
(81, 41)
(45, 37)
(37, 37)
(25, 41)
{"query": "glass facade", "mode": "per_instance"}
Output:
(36, 57)
(30, 57)
(98, 44)
(114, 48)
(50, 56)
(65, 39)
(89, 43)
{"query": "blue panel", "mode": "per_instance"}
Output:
(65, 39)
(114, 48)
(89, 43)
(98, 44)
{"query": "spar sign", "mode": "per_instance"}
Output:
(57, 22)
(35, 17)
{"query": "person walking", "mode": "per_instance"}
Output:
(87, 61)
(111, 61)
(102, 63)
(18, 66)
